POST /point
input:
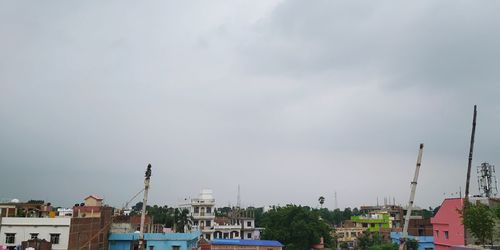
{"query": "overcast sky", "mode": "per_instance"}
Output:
(289, 99)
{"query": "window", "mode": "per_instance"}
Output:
(10, 238)
(54, 238)
(196, 210)
(437, 233)
(34, 236)
(226, 235)
(209, 210)
(249, 223)
(176, 247)
(249, 235)
(208, 223)
(207, 236)
(151, 247)
(446, 234)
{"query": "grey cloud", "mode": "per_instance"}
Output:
(290, 99)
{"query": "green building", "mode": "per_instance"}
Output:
(373, 222)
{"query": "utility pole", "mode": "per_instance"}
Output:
(147, 177)
(404, 235)
(469, 165)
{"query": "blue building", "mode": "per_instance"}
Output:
(424, 242)
(154, 241)
(217, 244)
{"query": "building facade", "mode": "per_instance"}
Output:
(202, 211)
(373, 222)
(90, 226)
(16, 230)
(155, 241)
(447, 224)
(349, 235)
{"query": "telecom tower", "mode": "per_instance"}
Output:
(486, 179)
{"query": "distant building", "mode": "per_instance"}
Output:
(225, 244)
(373, 222)
(202, 212)
(348, 234)
(132, 223)
(32, 208)
(154, 241)
(65, 212)
(90, 208)
(16, 230)
(237, 225)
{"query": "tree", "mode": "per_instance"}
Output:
(182, 220)
(369, 239)
(344, 245)
(479, 220)
(295, 226)
(321, 201)
(411, 244)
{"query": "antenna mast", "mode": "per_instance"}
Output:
(238, 202)
(466, 198)
(412, 197)
(470, 154)
(147, 176)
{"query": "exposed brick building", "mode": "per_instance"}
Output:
(90, 232)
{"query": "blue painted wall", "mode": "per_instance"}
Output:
(424, 242)
(185, 241)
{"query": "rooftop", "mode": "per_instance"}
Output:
(269, 243)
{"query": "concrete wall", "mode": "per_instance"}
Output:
(23, 227)
(156, 244)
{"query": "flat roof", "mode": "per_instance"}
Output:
(269, 243)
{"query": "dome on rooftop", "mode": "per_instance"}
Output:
(206, 194)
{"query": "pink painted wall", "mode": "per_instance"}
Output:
(448, 220)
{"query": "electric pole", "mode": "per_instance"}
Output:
(147, 177)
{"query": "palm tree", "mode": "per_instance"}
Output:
(182, 220)
(321, 201)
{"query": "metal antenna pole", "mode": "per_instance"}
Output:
(412, 197)
(466, 198)
(144, 203)
(470, 154)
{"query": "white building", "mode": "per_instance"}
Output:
(202, 211)
(65, 212)
(15, 230)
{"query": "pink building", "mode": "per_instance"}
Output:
(447, 225)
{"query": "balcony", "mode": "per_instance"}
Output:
(203, 215)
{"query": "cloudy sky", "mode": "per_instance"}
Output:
(289, 99)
